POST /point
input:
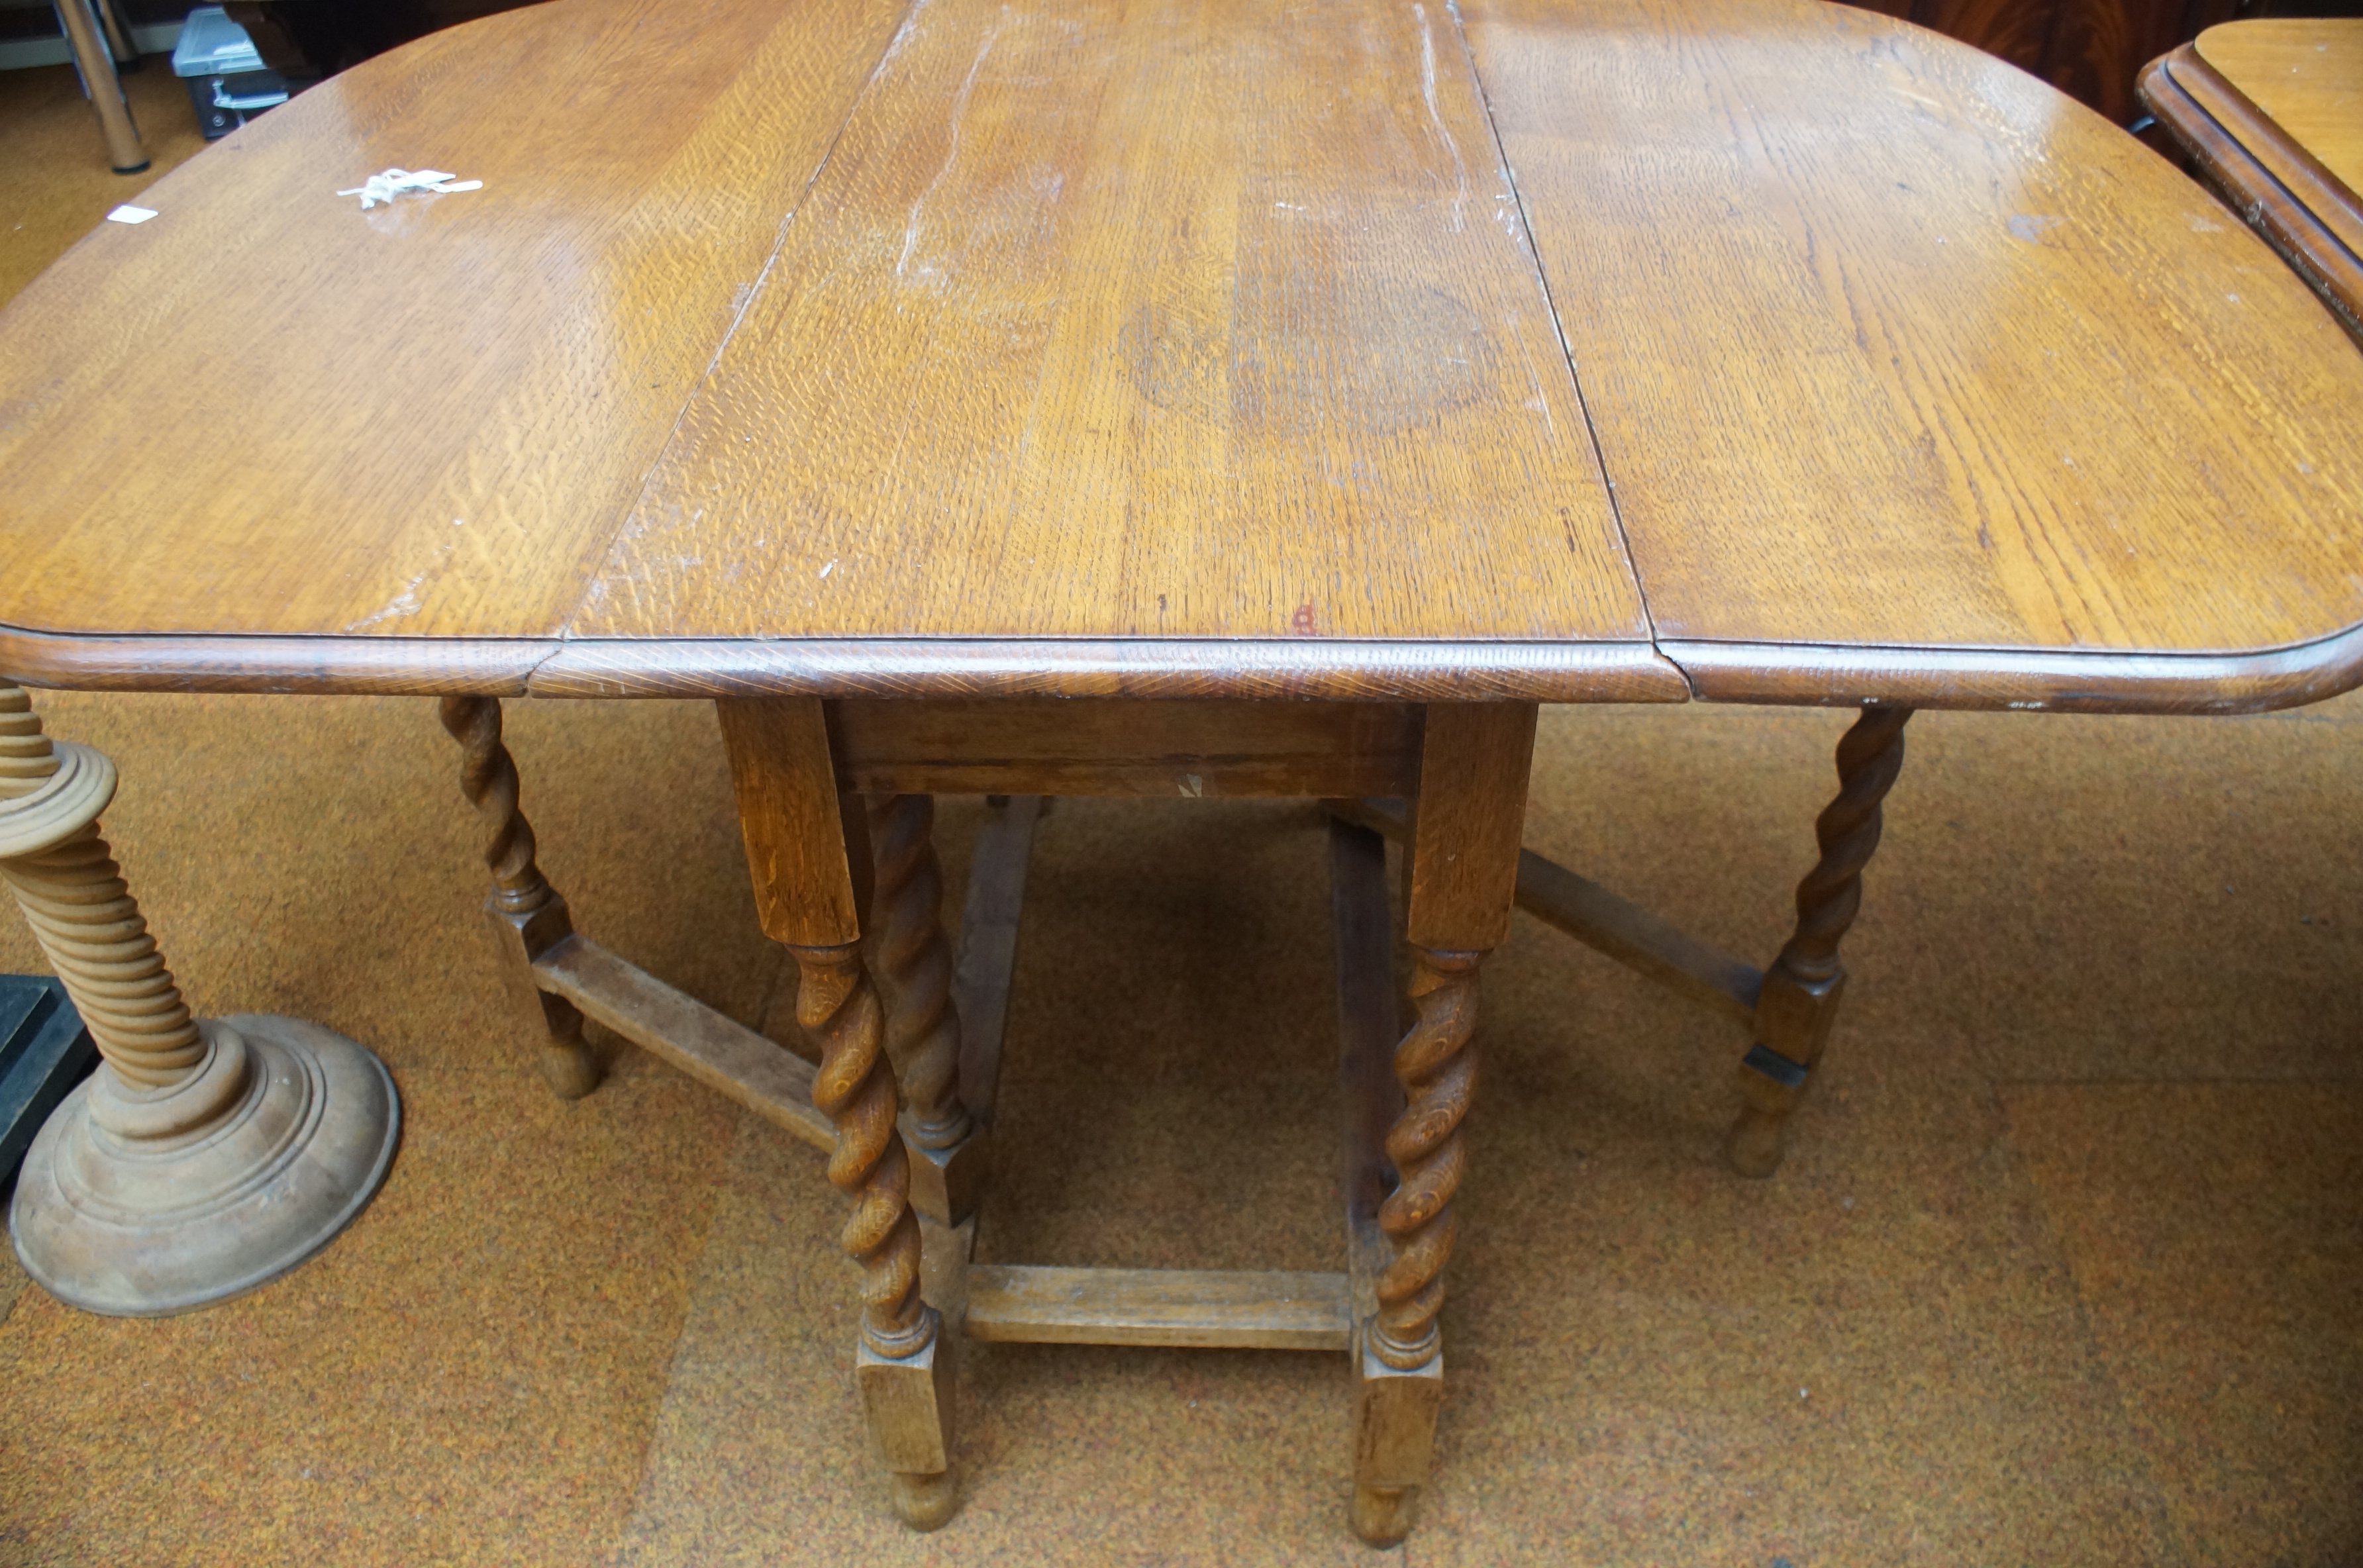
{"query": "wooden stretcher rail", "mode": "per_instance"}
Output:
(760, 1074)
(1614, 926)
(1211, 1308)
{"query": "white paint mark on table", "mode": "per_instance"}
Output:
(126, 213)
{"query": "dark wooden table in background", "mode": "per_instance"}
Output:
(1182, 397)
(2272, 114)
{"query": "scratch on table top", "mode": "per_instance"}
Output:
(903, 35)
(400, 604)
(951, 153)
(1436, 118)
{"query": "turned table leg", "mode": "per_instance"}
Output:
(206, 1156)
(525, 915)
(923, 1026)
(85, 31)
(808, 853)
(1461, 868)
(1799, 999)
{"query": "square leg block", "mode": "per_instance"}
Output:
(909, 1404)
(948, 1184)
(1394, 1443)
(1394, 1422)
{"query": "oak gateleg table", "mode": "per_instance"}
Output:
(1197, 397)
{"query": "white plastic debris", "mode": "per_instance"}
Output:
(393, 181)
(129, 213)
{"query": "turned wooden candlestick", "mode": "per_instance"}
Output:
(206, 1156)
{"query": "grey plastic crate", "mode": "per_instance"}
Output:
(226, 80)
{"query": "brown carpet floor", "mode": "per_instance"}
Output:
(2066, 1266)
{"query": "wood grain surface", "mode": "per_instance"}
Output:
(1185, 347)
(2268, 173)
(1204, 749)
(2306, 74)
(1202, 319)
(267, 410)
(1202, 1308)
(1922, 355)
(2093, 51)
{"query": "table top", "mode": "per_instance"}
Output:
(1570, 349)
(2271, 111)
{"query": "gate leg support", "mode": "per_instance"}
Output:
(1800, 1000)
(525, 915)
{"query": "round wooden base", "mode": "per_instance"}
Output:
(141, 1204)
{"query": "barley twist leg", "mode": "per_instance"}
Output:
(1438, 1073)
(1799, 999)
(488, 777)
(855, 1089)
(527, 914)
(923, 1028)
(904, 1365)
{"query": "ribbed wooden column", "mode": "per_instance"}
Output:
(205, 1156)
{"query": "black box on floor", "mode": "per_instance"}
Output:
(44, 1052)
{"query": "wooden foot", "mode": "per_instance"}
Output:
(1394, 1443)
(909, 1402)
(1799, 1001)
(947, 1146)
(525, 915)
(206, 1156)
(924, 1502)
(1383, 1517)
